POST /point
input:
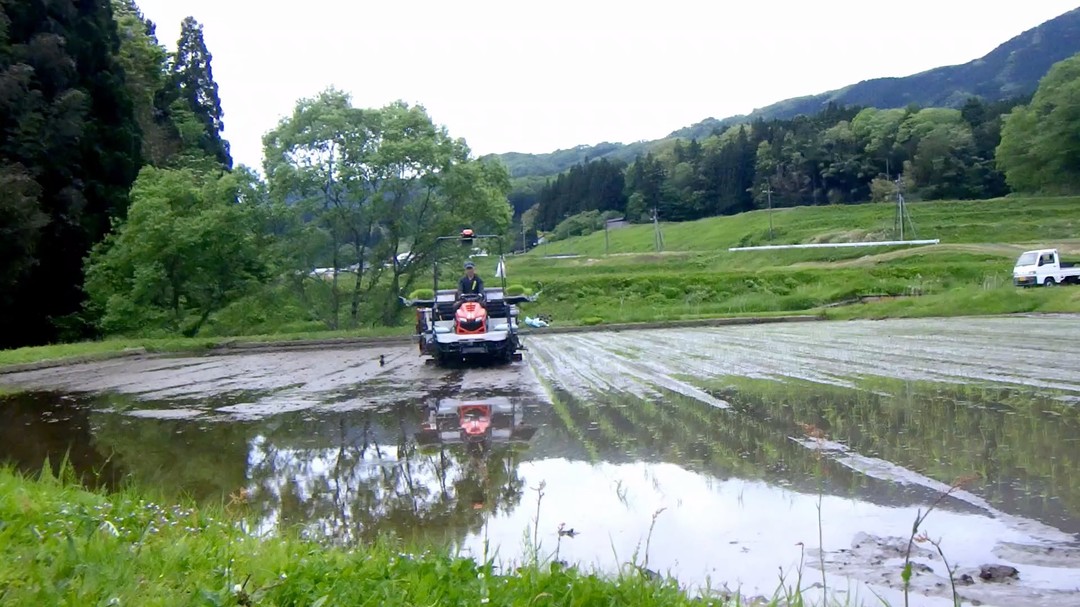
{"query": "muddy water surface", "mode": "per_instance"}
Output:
(735, 446)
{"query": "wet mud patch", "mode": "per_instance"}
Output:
(1034, 352)
(1001, 581)
(1040, 555)
(207, 376)
(175, 413)
(247, 387)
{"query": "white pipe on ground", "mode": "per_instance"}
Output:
(837, 245)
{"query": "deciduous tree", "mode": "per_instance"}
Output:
(368, 185)
(189, 247)
(1040, 142)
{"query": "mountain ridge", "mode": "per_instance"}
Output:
(1012, 69)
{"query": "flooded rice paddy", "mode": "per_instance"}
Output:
(722, 456)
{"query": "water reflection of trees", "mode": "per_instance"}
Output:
(344, 476)
(683, 430)
(40, 427)
(1020, 444)
(363, 477)
(350, 476)
(201, 460)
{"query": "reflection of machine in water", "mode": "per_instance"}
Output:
(482, 422)
(482, 426)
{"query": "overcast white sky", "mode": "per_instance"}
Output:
(536, 77)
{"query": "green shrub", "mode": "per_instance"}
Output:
(796, 303)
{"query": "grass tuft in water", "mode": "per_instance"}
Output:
(919, 536)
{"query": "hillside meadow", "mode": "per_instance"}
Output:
(1002, 220)
(696, 277)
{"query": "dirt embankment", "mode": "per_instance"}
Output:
(243, 346)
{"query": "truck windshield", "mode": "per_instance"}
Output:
(1027, 259)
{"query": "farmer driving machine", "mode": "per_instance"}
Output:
(473, 326)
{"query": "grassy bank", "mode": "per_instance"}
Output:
(621, 278)
(928, 281)
(965, 300)
(63, 545)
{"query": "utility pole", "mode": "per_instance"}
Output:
(607, 243)
(524, 243)
(901, 209)
(658, 237)
(768, 194)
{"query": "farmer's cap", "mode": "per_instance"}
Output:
(469, 264)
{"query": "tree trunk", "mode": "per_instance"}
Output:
(335, 294)
(193, 331)
(390, 310)
(178, 314)
(354, 313)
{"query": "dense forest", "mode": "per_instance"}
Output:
(842, 155)
(90, 99)
(122, 213)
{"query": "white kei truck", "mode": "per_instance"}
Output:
(1044, 267)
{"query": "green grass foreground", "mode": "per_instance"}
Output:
(63, 545)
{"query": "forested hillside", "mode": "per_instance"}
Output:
(1010, 71)
(70, 152)
(121, 211)
(839, 156)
